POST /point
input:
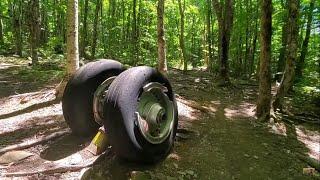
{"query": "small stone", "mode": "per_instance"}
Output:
(246, 155)
(256, 157)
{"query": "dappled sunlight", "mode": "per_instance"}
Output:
(187, 111)
(4, 66)
(21, 101)
(311, 139)
(36, 117)
(278, 128)
(244, 110)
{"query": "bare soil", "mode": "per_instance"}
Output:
(218, 137)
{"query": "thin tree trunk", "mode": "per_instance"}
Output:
(34, 27)
(72, 37)
(95, 29)
(264, 97)
(209, 37)
(282, 54)
(304, 49)
(1, 26)
(16, 10)
(134, 33)
(253, 49)
(181, 37)
(44, 27)
(84, 30)
(162, 61)
(288, 76)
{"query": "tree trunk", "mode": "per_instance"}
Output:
(225, 23)
(282, 55)
(44, 27)
(304, 49)
(84, 30)
(264, 97)
(253, 47)
(209, 37)
(16, 10)
(34, 27)
(72, 37)
(134, 33)
(288, 76)
(162, 61)
(95, 29)
(1, 26)
(182, 8)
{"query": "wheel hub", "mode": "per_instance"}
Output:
(155, 113)
(98, 99)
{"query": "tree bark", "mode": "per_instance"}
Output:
(72, 37)
(224, 14)
(288, 76)
(304, 49)
(34, 27)
(182, 8)
(264, 97)
(162, 61)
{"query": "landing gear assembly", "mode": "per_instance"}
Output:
(135, 109)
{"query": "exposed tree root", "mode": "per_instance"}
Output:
(30, 108)
(34, 142)
(60, 166)
(59, 90)
(194, 105)
(310, 161)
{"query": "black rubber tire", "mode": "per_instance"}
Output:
(77, 100)
(121, 121)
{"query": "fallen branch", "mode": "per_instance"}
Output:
(34, 142)
(59, 167)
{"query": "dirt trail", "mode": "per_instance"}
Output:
(222, 142)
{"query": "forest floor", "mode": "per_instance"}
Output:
(218, 137)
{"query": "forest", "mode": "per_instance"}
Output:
(241, 77)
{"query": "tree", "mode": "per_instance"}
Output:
(34, 27)
(72, 37)
(72, 45)
(288, 76)
(264, 97)
(84, 31)
(284, 37)
(224, 13)
(182, 8)
(16, 16)
(95, 29)
(162, 61)
(304, 49)
(1, 26)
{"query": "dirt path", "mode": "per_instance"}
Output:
(222, 142)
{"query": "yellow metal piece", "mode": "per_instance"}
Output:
(99, 143)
